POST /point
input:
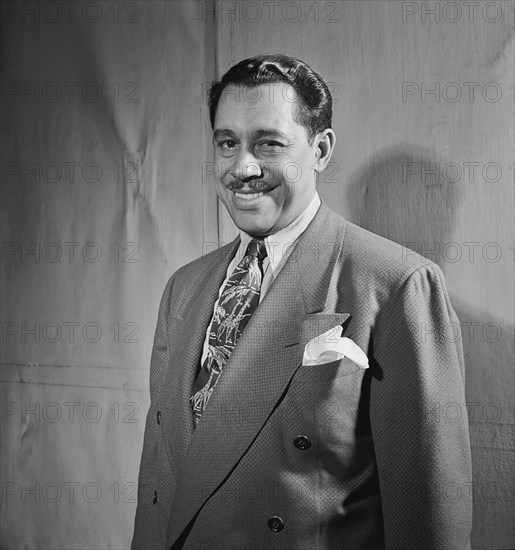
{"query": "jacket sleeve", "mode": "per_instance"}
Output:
(419, 418)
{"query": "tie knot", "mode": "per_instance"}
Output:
(257, 249)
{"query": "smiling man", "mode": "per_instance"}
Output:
(250, 443)
(266, 159)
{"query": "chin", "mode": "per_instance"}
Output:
(252, 227)
(254, 230)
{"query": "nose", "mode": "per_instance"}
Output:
(246, 167)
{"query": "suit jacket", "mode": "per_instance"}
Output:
(330, 456)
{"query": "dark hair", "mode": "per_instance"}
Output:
(315, 106)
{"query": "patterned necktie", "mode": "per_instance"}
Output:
(237, 303)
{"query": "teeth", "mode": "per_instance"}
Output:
(248, 196)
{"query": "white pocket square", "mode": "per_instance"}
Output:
(330, 346)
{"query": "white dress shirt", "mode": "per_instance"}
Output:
(279, 246)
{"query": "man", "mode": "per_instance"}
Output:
(247, 445)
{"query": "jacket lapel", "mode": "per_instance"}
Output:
(260, 367)
(186, 332)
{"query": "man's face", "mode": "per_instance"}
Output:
(264, 163)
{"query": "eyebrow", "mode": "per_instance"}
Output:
(257, 134)
(222, 132)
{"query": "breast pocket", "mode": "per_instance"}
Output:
(325, 400)
(338, 382)
(321, 374)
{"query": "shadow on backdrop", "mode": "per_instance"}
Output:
(411, 196)
(404, 195)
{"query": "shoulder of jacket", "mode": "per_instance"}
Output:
(380, 255)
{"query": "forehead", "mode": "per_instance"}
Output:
(242, 109)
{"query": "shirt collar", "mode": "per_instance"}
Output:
(280, 244)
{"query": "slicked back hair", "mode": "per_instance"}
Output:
(314, 104)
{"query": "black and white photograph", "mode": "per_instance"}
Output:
(257, 275)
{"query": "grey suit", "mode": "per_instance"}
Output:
(317, 457)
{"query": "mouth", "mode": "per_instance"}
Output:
(250, 195)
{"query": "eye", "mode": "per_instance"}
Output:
(227, 145)
(270, 144)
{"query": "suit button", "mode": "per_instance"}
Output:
(302, 442)
(155, 498)
(276, 524)
(158, 417)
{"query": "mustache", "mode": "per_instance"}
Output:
(255, 185)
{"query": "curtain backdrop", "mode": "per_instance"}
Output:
(107, 189)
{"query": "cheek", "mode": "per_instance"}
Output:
(292, 174)
(219, 169)
(288, 191)
(297, 172)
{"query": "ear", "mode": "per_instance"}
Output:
(324, 143)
